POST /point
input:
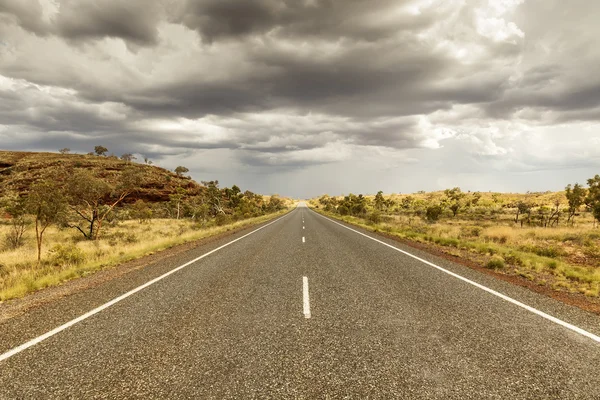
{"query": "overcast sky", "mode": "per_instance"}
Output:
(304, 97)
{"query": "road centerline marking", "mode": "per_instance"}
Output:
(116, 300)
(305, 297)
(542, 314)
(303, 239)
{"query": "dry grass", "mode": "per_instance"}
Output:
(66, 256)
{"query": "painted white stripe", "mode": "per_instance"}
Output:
(96, 310)
(303, 239)
(305, 297)
(542, 314)
(302, 227)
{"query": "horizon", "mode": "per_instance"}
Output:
(310, 98)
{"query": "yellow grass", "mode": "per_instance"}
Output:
(125, 241)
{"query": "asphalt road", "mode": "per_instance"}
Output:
(234, 325)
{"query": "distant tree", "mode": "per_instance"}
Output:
(214, 197)
(128, 157)
(434, 212)
(66, 150)
(100, 150)
(379, 201)
(592, 200)
(46, 203)
(176, 200)
(147, 161)
(180, 170)
(576, 198)
(454, 198)
(522, 208)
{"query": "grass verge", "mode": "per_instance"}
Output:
(68, 257)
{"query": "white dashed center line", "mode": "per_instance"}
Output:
(305, 297)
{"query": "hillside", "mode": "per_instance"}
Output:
(19, 170)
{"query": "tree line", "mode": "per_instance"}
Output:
(564, 208)
(83, 202)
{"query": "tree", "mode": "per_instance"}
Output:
(180, 170)
(128, 157)
(147, 161)
(176, 199)
(455, 199)
(100, 150)
(214, 197)
(576, 198)
(379, 201)
(66, 150)
(522, 208)
(92, 199)
(47, 204)
(592, 200)
(15, 207)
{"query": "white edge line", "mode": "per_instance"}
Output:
(305, 297)
(96, 310)
(542, 314)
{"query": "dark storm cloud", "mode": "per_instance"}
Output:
(361, 20)
(129, 20)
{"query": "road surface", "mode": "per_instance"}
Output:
(302, 308)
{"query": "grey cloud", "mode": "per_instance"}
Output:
(26, 13)
(131, 20)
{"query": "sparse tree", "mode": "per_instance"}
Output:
(66, 150)
(522, 208)
(93, 199)
(46, 203)
(176, 200)
(180, 170)
(379, 201)
(15, 207)
(100, 150)
(128, 157)
(147, 161)
(454, 198)
(592, 200)
(576, 198)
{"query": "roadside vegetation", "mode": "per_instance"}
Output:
(551, 238)
(64, 216)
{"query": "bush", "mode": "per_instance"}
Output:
(434, 213)
(375, 217)
(513, 259)
(495, 263)
(66, 255)
(470, 231)
(222, 219)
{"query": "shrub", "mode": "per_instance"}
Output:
(66, 255)
(470, 231)
(495, 263)
(375, 217)
(434, 213)
(221, 219)
(513, 259)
